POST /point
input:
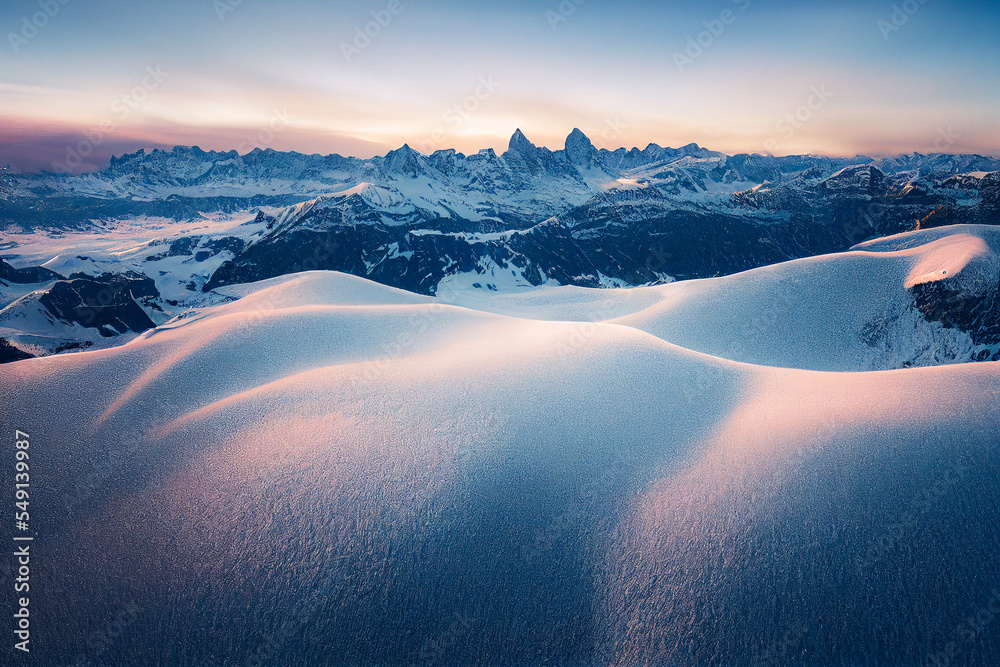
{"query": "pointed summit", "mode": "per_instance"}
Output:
(520, 144)
(579, 148)
(692, 149)
(523, 156)
(403, 150)
(578, 138)
(402, 161)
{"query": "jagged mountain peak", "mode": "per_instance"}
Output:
(579, 149)
(403, 150)
(403, 160)
(578, 138)
(520, 143)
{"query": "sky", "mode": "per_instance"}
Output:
(81, 80)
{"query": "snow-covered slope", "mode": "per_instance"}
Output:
(868, 309)
(859, 310)
(328, 470)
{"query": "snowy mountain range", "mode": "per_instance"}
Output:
(522, 186)
(157, 233)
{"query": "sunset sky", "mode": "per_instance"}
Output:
(93, 78)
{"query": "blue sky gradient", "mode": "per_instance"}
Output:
(733, 75)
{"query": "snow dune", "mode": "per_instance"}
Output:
(844, 312)
(329, 471)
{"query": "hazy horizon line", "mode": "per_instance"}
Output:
(153, 146)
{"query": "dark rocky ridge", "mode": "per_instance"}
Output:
(106, 303)
(27, 275)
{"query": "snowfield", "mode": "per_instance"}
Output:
(325, 470)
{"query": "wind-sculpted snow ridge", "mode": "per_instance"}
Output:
(330, 471)
(868, 309)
